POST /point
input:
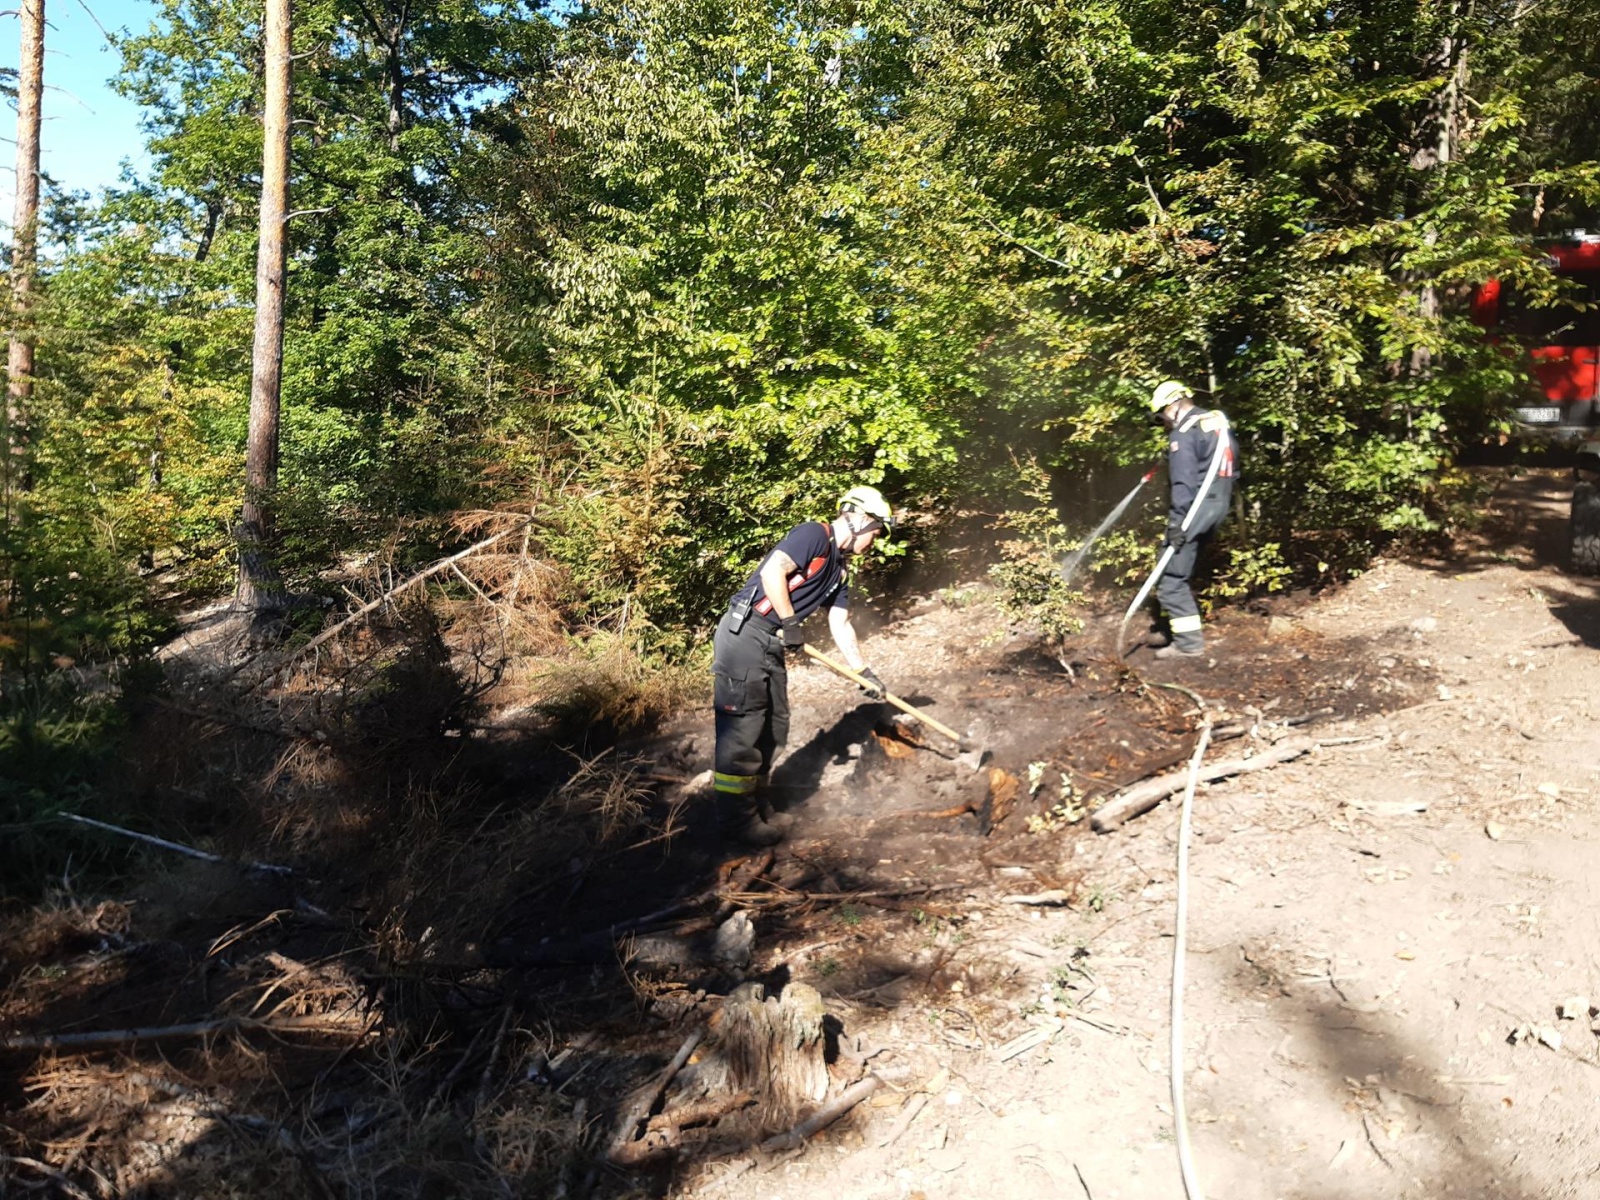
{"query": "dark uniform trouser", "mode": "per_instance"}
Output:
(1172, 589)
(752, 703)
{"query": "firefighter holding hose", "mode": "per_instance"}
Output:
(1202, 463)
(807, 570)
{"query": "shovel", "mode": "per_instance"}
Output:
(969, 755)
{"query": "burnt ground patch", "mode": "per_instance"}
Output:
(515, 981)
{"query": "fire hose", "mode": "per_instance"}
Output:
(1180, 943)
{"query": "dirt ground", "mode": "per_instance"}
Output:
(1371, 926)
(1392, 950)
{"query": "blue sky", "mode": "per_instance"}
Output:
(88, 130)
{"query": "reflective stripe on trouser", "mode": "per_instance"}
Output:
(1172, 589)
(739, 785)
(752, 704)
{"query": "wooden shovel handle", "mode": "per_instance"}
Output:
(911, 709)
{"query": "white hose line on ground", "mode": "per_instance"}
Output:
(1180, 945)
(1180, 1116)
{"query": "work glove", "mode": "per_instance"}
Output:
(876, 690)
(1176, 536)
(794, 642)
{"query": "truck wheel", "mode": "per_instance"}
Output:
(1586, 528)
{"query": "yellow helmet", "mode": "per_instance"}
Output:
(1168, 393)
(869, 501)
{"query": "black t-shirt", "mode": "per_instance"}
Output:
(819, 576)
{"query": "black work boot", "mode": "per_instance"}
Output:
(741, 822)
(768, 815)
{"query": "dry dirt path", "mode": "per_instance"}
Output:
(1369, 926)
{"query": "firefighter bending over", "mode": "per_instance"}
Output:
(806, 571)
(1202, 464)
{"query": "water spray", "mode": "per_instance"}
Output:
(1070, 564)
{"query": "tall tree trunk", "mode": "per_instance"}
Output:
(24, 252)
(396, 71)
(260, 589)
(392, 35)
(1446, 144)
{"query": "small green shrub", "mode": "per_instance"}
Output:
(1028, 574)
(958, 598)
(1251, 569)
(1128, 555)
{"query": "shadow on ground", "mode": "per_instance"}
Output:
(1373, 1077)
(422, 842)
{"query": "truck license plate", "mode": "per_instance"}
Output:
(1542, 414)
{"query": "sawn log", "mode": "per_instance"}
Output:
(1142, 797)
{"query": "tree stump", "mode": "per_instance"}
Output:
(773, 1047)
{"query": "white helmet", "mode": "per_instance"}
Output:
(869, 501)
(1167, 393)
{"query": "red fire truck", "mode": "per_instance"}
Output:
(1565, 346)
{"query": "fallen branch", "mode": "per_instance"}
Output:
(219, 718)
(57, 1177)
(444, 564)
(913, 1107)
(701, 1112)
(177, 847)
(921, 889)
(482, 1097)
(995, 806)
(1314, 714)
(1412, 708)
(1024, 1042)
(1364, 739)
(1366, 1128)
(939, 814)
(1142, 797)
(826, 1115)
(1051, 898)
(321, 1023)
(893, 899)
(1113, 1030)
(639, 1113)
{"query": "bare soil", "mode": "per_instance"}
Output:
(1370, 925)
(1385, 935)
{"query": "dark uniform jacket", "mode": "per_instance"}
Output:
(1195, 442)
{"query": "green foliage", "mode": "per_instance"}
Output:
(1127, 555)
(1029, 571)
(957, 598)
(1099, 899)
(1251, 569)
(59, 734)
(673, 275)
(719, 311)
